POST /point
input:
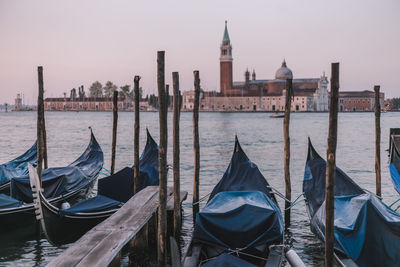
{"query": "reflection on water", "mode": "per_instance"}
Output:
(260, 136)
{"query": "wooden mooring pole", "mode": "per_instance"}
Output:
(196, 146)
(162, 161)
(44, 135)
(114, 130)
(331, 167)
(40, 120)
(176, 163)
(378, 140)
(136, 137)
(286, 152)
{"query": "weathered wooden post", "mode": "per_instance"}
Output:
(378, 140)
(136, 137)
(286, 152)
(114, 130)
(44, 136)
(39, 140)
(176, 163)
(331, 167)
(167, 95)
(162, 162)
(196, 146)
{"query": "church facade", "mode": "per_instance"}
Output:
(310, 94)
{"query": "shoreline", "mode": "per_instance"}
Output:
(205, 111)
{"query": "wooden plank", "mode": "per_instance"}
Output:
(102, 244)
(130, 209)
(79, 250)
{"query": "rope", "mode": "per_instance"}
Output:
(106, 170)
(201, 199)
(372, 193)
(103, 173)
(237, 252)
(394, 203)
(250, 255)
(292, 203)
(297, 200)
(279, 194)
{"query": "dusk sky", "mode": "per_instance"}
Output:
(80, 41)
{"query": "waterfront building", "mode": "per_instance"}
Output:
(252, 94)
(91, 104)
(359, 100)
(83, 104)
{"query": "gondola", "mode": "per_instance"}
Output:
(16, 168)
(367, 232)
(241, 224)
(62, 226)
(395, 161)
(59, 184)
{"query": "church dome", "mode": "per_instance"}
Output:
(283, 72)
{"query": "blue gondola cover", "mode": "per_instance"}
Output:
(365, 228)
(9, 202)
(119, 186)
(395, 167)
(241, 211)
(239, 219)
(18, 166)
(225, 260)
(62, 180)
(149, 164)
(95, 204)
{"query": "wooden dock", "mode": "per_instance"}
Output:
(102, 245)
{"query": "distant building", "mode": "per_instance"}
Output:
(83, 104)
(90, 104)
(310, 94)
(18, 103)
(359, 100)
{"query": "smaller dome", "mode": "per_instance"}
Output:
(283, 72)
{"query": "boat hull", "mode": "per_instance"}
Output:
(64, 229)
(24, 216)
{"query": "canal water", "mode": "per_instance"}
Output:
(260, 136)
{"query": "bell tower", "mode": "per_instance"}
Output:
(226, 59)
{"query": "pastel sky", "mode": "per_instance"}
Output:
(81, 41)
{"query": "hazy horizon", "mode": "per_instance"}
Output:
(79, 42)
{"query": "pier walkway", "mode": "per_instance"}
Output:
(101, 246)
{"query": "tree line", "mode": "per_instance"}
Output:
(98, 90)
(395, 103)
